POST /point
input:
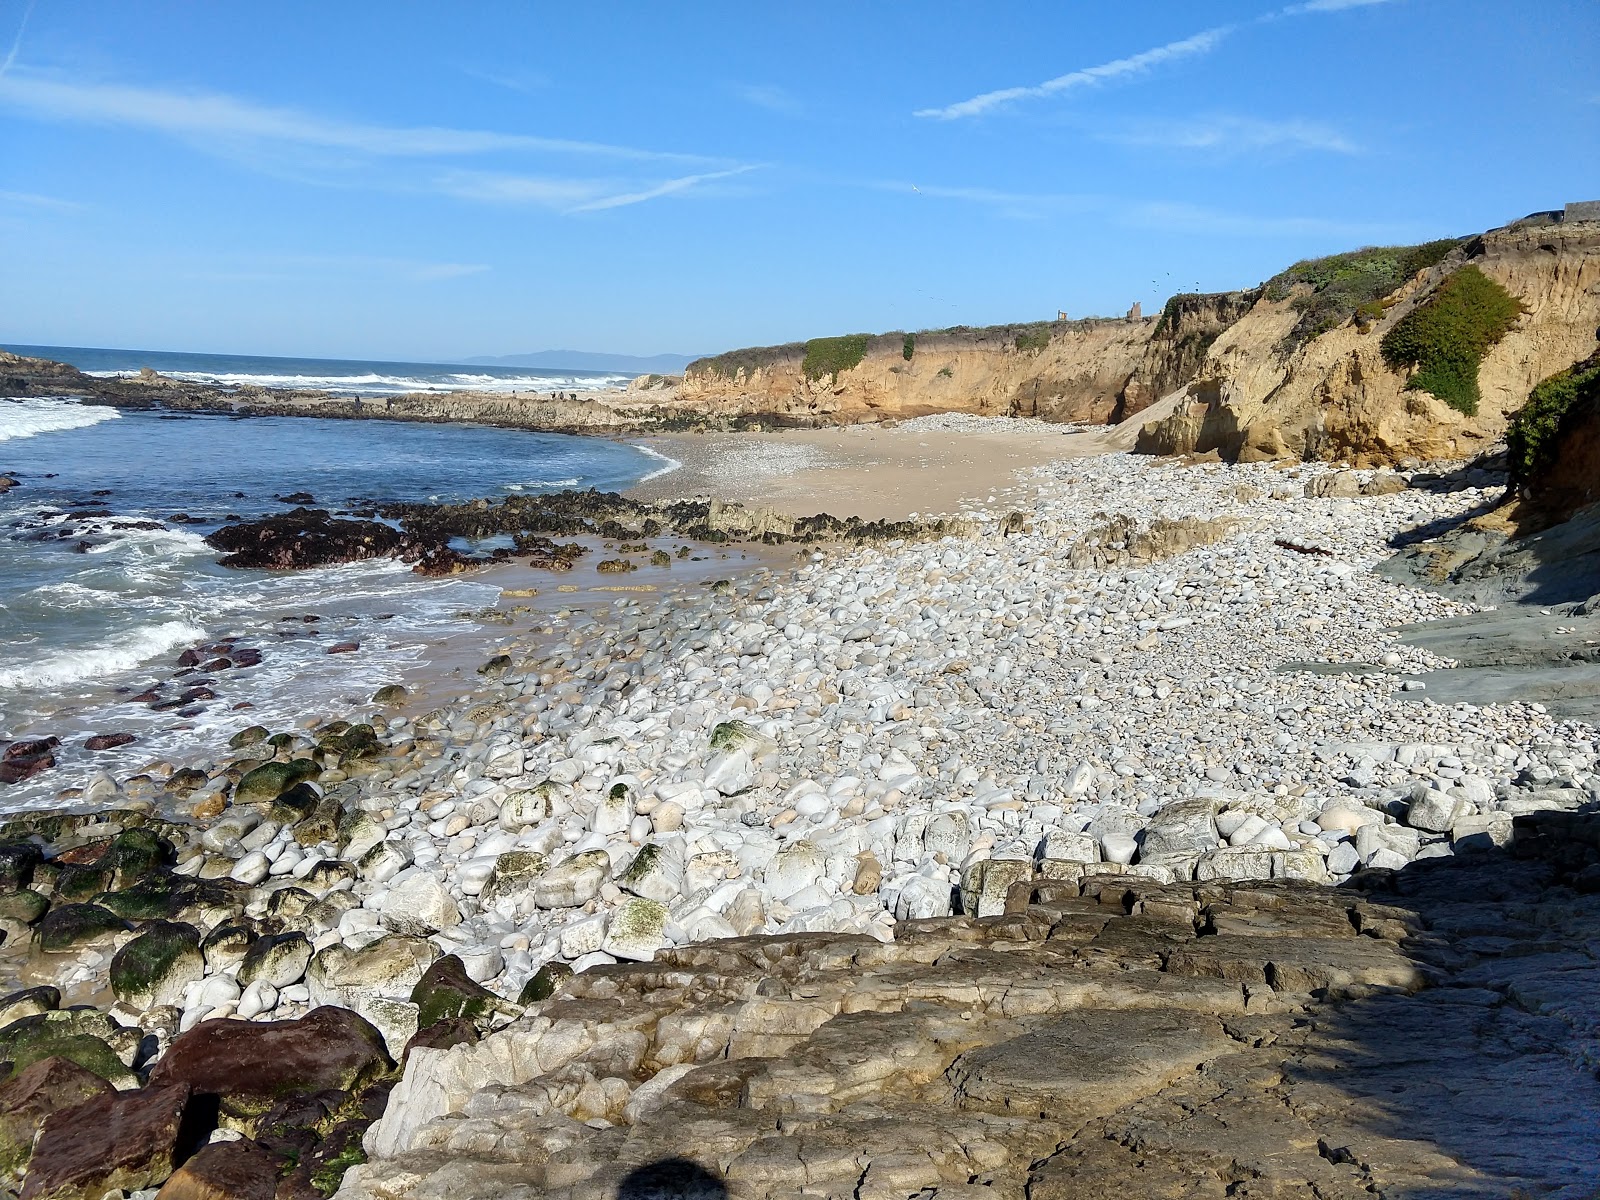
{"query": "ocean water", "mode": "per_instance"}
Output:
(349, 377)
(100, 589)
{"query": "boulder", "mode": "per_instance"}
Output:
(544, 983)
(264, 784)
(638, 929)
(445, 992)
(276, 959)
(1435, 811)
(17, 861)
(71, 926)
(417, 903)
(574, 882)
(155, 967)
(249, 1067)
(949, 834)
(49, 1085)
(984, 885)
(513, 875)
(390, 967)
(1187, 827)
(730, 772)
(797, 866)
(121, 1140)
(236, 1170)
(655, 873)
(81, 1034)
(29, 1002)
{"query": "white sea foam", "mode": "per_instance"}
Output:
(668, 464)
(136, 646)
(27, 418)
(373, 384)
(571, 482)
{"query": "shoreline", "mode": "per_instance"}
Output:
(928, 467)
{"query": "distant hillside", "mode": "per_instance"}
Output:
(584, 360)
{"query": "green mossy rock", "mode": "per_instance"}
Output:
(546, 982)
(269, 781)
(134, 854)
(17, 862)
(514, 872)
(24, 907)
(76, 1035)
(295, 804)
(156, 966)
(446, 991)
(68, 926)
(321, 824)
(187, 780)
(78, 883)
(249, 737)
(393, 693)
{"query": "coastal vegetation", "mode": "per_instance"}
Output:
(1443, 340)
(908, 347)
(1033, 339)
(1328, 292)
(833, 355)
(1532, 437)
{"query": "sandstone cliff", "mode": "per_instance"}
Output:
(1095, 371)
(1334, 397)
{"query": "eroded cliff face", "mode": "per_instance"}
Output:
(1334, 397)
(1091, 371)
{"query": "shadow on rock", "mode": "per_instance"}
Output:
(672, 1179)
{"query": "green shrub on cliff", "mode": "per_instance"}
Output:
(1445, 338)
(1033, 339)
(833, 355)
(1530, 441)
(908, 347)
(1343, 284)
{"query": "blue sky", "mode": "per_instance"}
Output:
(427, 181)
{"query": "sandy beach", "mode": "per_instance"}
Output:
(931, 466)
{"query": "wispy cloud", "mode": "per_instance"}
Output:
(567, 195)
(526, 82)
(16, 42)
(33, 200)
(312, 148)
(1230, 135)
(1323, 6)
(217, 115)
(1134, 64)
(768, 96)
(1196, 45)
(1124, 211)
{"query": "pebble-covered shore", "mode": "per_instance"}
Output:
(886, 733)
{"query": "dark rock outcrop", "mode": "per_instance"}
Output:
(127, 1140)
(249, 1068)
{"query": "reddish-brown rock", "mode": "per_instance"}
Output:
(238, 1170)
(49, 1085)
(127, 1140)
(250, 1067)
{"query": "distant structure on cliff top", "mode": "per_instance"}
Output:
(1136, 313)
(1582, 210)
